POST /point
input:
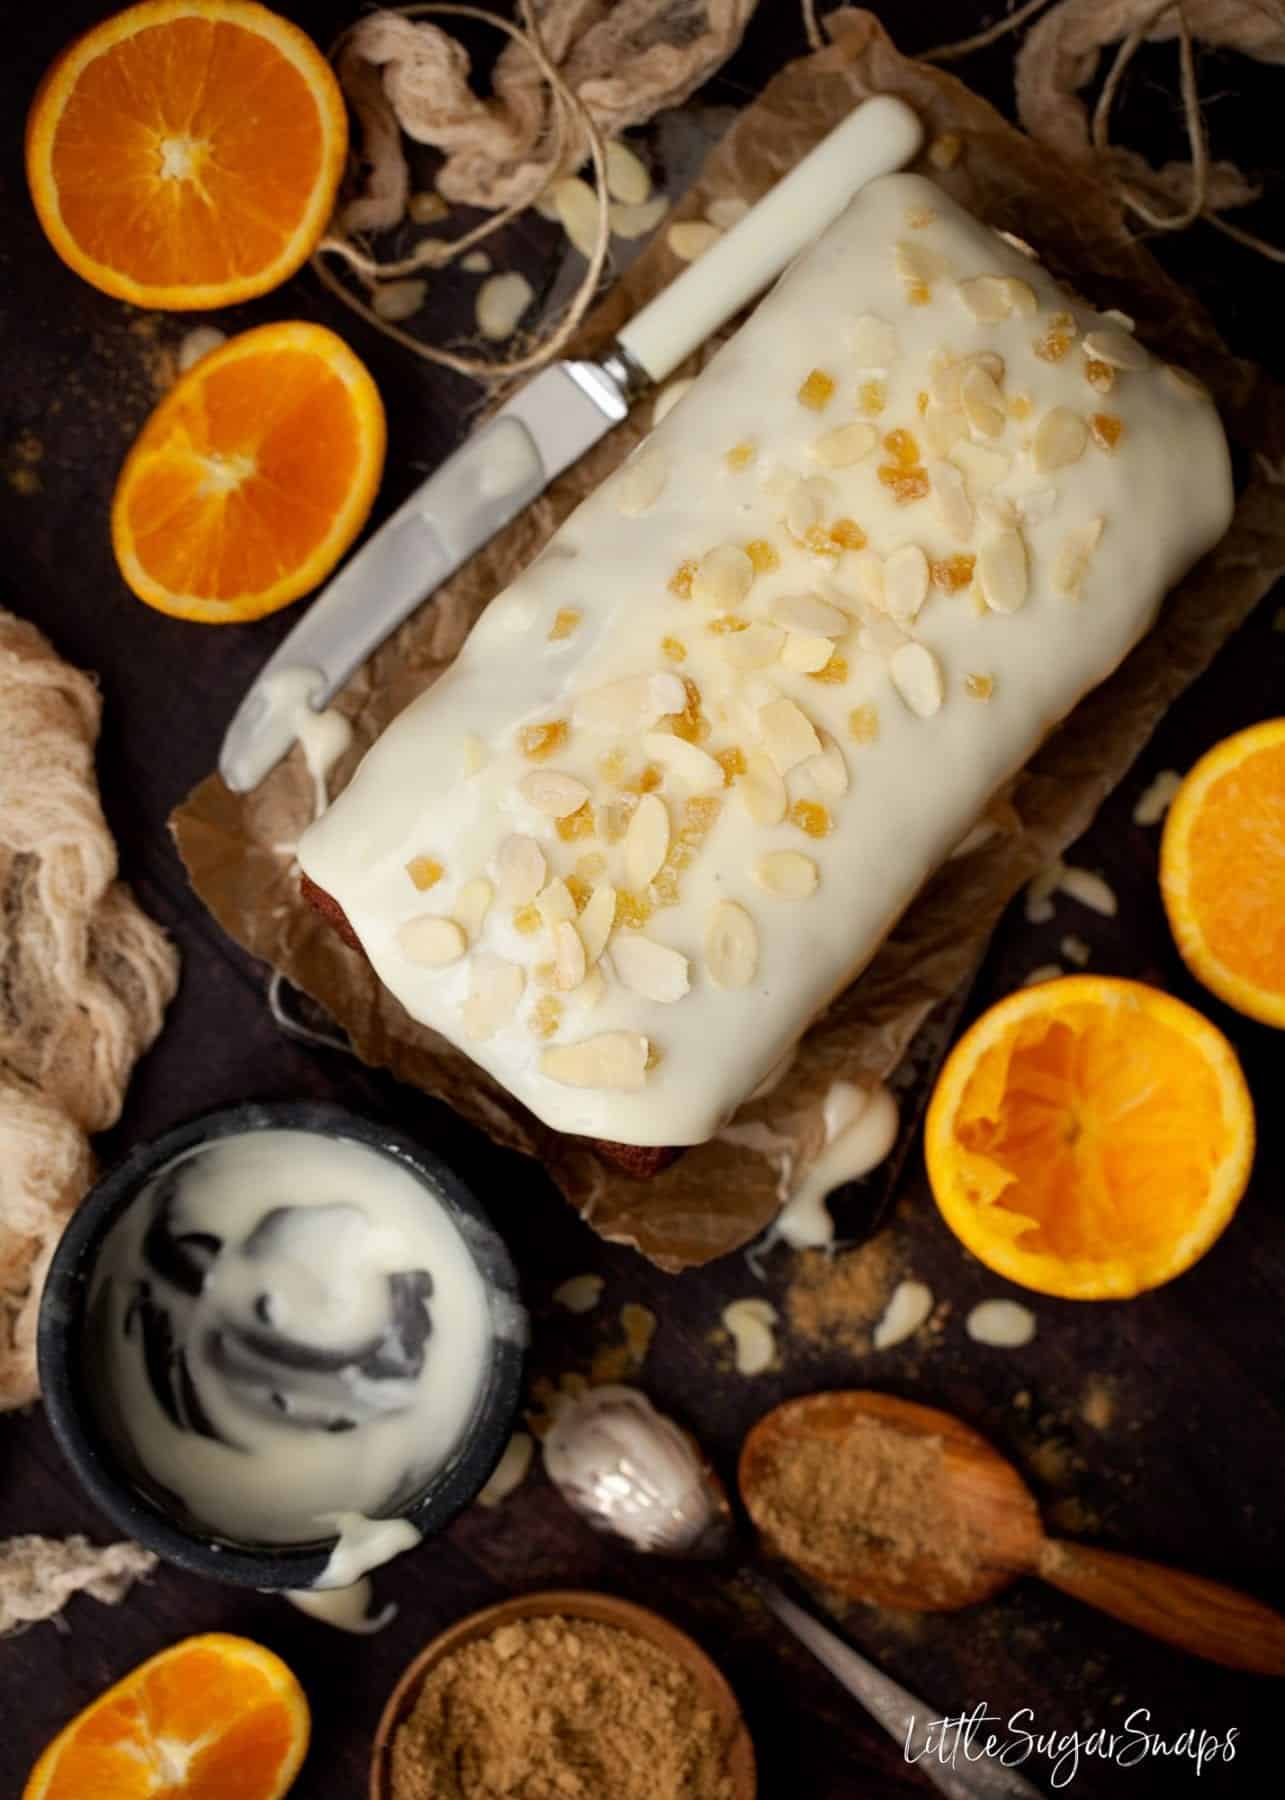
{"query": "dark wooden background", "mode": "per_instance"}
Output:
(1192, 1469)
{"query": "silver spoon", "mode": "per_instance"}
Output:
(627, 1469)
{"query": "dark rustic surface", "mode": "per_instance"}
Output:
(1192, 1468)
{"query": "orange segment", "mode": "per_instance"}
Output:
(215, 1716)
(186, 153)
(252, 477)
(1090, 1137)
(1222, 871)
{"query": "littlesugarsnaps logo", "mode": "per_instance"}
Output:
(969, 1737)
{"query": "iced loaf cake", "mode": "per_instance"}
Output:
(693, 763)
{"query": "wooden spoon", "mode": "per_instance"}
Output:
(983, 1500)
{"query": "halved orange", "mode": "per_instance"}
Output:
(1222, 871)
(1090, 1137)
(186, 153)
(252, 477)
(212, 1717)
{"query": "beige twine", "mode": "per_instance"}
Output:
(84, 976)
(38, 1576)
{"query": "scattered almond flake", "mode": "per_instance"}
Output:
(1002, 571)
(472, 904)
(827, 772)
(990, 360)
(763, 558)
(1099, 375)
(872, 397)
(943, 429)
(555, 905)
(632, 222)
(945, 371)
(477, 262)
(545, 205)
(646, 841)
(917, 267)
(569, 956)
(1018, 244)
(1156, 798)
(431, 940)
(944, 151)
(425, 872)
(916, 675)
(753, 646)
(727, 211)
(1075, 950)
(881, 634)
(762, 790)
(511, 1470)
(731, 946)
(472, 754)
(1107, 430)
(668, 397)
(1025, 300)
(501, 302)
(641, 482)
(597, 920)
(1071, 563)
(198, 343)
(1036, 506)
(847, 445)
(565, 621)
(953, 505)
(866, 573)
(817, 390)
(395, 300)
(690, 763)
(803, 508)
(805, 655)
(905, 582)
(426, 208)
(495, 987)
(979, 687)
(863, 724)
(1090, 890)
(1060, 438)
(873, 342)
(908, 1306)
(553, 793)
(521, 870)
(749, 1325)
(987, 297)
(997, 512)
(1040, 892)
(1003, 1324)
(1116, 348)
(723, 577)
(691, 238)
(787, 875)
(580, 1294)
(650, 969)
(787, 733)
(615, 1061)
(634, 703)
(982, 401)
(1184, 382)
(628, 179)
(809, 614)
(1045, 972)
(577, 208)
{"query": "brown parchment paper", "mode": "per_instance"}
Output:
(719, 1196)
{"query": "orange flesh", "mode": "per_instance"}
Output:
(1236, 869)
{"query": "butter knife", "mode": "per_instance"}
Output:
(548, 425)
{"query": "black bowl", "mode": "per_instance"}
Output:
(132, 1505)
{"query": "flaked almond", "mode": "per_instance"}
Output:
(615, 1061)
(881, 633)
(809, 614)
(592, 990)
(397, 300)
(982, 468)
(641, 482)
(520, 870)
(754, 648)
(568, 956)
(805, 655)
(636, 221)
(495, 987)
(556, 905)
(576, 205)
(597, 920)
(650, 969)
(987, 297)
(762, 791)
(1060, 438)
(731, 946)
(864, 577)
(691, 764)
(1002, 571)
(982, 401)
(1116, 348)
(1070, 565)
(551, 792)
(787, 875)
(827, 772)
(477, 262)
(1037, 505)
(847, 445)
(472, 754)
(916, 675)
(431, 940)
(691, 238)
(942, 429)
(1022, 296)
(787, 734)
(997, 512)
(723, 576)
(472, 904)
(627, 177)
(905, 583)
(501, 302)
(873, 342)
(632, 704)
(954, 507)
(646, 841)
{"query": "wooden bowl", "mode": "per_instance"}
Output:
(599, 1609)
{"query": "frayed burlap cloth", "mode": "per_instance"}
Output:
(38, 1576)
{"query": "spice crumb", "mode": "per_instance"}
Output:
(836, 1300)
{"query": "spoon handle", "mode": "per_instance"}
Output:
(903, 1717)
(1193, 1614)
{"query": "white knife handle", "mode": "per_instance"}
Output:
(880, 136)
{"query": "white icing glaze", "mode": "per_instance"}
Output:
(324, 1333)
(323, 736)
(860, 1130)
(346, 1608)
(444, 780)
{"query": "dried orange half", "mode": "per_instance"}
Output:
(1222, 871)
(1090, 1137)
(186, 153)
(252, 477)
(213, 1717)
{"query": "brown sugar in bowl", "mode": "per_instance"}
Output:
(598, 1609)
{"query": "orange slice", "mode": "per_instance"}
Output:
(1222, 871)
(186, 153)
(1090, 1137)
(252, 477)
(212, 1717)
